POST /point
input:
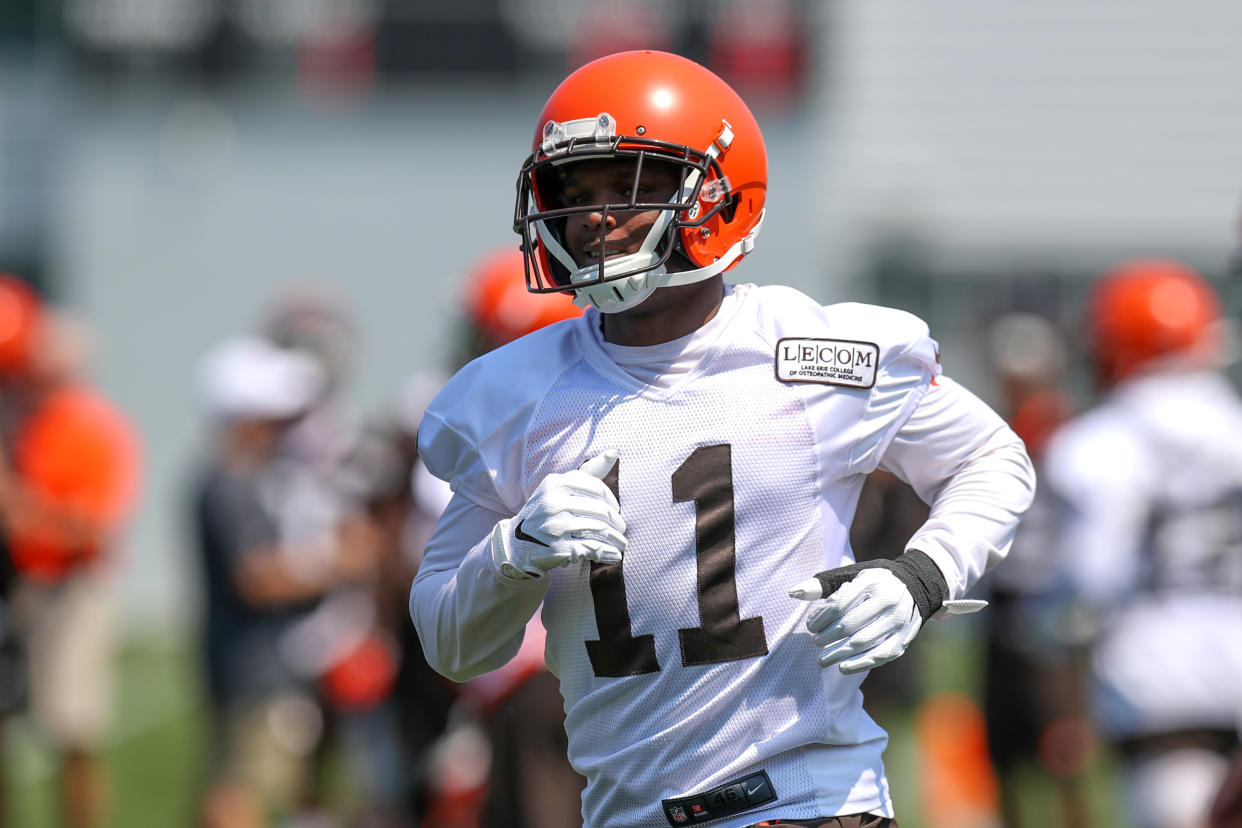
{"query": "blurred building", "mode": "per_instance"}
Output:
(993, 156)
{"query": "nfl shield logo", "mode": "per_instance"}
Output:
(679, 813)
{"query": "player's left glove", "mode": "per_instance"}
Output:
(873, 610)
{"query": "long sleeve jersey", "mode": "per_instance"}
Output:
(743, 448)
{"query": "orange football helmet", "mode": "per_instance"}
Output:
(500, 306)
(21, 313)
(644, 105)
(1146, 310)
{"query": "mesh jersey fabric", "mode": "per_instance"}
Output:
(734, 486)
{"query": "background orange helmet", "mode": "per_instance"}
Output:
(20, 315)
(1146, 310)
(500, 306)
(642, 105)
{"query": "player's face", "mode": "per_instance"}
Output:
(611, 181)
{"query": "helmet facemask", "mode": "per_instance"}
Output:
(620, 281)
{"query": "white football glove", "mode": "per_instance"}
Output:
(873, 610)
(571, 517)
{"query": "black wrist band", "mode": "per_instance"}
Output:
(916, 571)
(924, 579)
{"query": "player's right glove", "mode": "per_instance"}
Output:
(570, 517)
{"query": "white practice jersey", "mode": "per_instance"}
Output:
(1151, 489)
(743, 449)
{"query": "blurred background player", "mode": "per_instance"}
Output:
(69, 477)
(405, 512)
(312, 319)
(1029, 684)
(499, 308)
(530, 783)
(350, 647)
(1150, 490)
(276, 551)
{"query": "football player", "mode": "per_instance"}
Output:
(1151, 537)
(672, 476)
(70, 478)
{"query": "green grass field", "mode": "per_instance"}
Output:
(155, 758)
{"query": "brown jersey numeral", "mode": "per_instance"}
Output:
(706, 479)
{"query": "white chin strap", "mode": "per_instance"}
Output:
(620, 294)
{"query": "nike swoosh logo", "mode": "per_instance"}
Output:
(751, 791)
(522, 536)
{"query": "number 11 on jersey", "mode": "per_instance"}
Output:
(706, 479)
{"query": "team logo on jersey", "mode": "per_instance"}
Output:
(827, 361)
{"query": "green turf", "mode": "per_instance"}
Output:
(155, 758)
